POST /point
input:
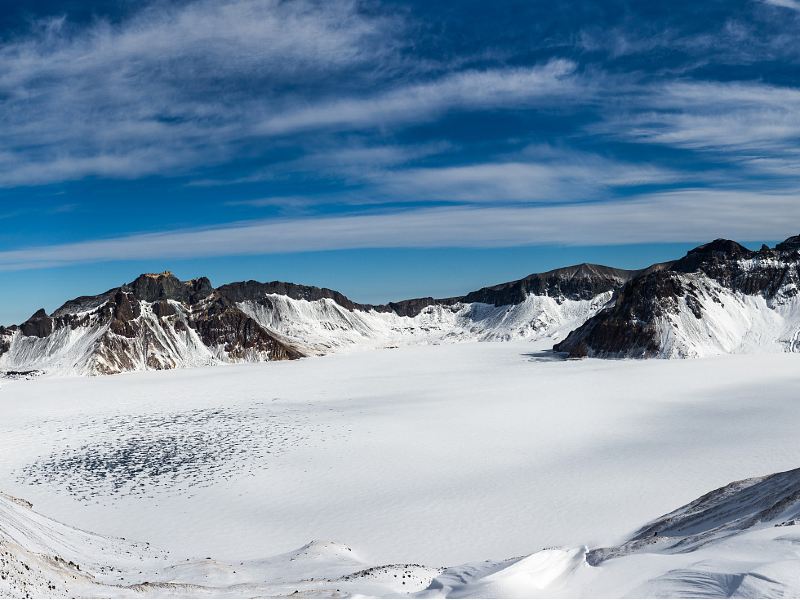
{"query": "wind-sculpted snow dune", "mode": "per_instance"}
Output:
(741, 540)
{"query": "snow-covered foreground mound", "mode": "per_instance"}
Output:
(741, 540)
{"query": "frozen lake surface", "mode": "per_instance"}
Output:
(433, 454)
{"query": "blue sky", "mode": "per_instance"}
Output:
(388, 149)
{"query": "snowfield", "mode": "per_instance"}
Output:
(430, 455)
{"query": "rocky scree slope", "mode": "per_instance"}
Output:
(720, 298)
(160, 322)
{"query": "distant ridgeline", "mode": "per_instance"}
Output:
(719, 298)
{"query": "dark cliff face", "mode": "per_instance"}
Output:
(39, 325)
(221, 324)
(629, 328)
(165, 286)
(578, 282)
(255, 291)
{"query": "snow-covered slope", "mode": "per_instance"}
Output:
(40, 557)
(721, 298)
(159, 322)
(738, 541)
(319, 326)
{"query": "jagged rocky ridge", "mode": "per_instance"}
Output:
(160, 322)
(719, 298)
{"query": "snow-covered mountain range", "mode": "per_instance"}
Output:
(160, 322)
(719, 298)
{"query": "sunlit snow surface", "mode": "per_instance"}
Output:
(425, 455)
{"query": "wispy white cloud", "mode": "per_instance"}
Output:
(496, 88)
(792, 4)
(535, 175)
(163, 89)
(752, 125)
(688, 215)
(183, 85)
(540, 173)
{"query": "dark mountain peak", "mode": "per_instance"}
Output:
(649, 304)
(584, 270)
(39, 325)
(152, 287)
(39, 314)
(789, 244)
(576, 282)
(256, 291)
(726, 248)
(709, 257)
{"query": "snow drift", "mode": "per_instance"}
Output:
(740, 540)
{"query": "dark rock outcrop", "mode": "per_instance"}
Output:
(256, 292)
(39, 325)
(221, 324)
(578, 282)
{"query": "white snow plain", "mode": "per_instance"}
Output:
(437, 455)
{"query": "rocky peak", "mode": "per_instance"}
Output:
(649, 314)
(152, 287)
(714, 253)
(256, 291)
(577, 282)
(722, 260)
(789, 245)
(39, 325)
